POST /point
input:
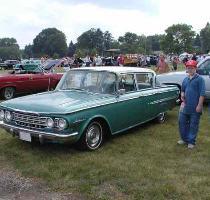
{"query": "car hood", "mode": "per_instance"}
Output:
(58, 102)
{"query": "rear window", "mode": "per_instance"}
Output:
(144, 80)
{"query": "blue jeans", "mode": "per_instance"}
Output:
(188, 127)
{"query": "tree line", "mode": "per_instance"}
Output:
(51, 42)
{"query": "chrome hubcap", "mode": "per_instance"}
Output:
(93, 136)
(162, 116)
(8, 93)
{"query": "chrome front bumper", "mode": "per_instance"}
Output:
(42, 136)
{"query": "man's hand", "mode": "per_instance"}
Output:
(200, 104)
(182, 96)
(199, 108)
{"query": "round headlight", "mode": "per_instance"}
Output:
(1, 114)
(50, 122)
(62, 124)
(8, 116)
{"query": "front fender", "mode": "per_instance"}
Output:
(89, 120)
(2, 86)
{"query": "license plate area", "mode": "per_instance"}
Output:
(25, 136)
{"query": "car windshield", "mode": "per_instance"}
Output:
(89, 80)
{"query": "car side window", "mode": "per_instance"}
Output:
(204, 68)
(127, 82)
(108, 85)
(144, 80)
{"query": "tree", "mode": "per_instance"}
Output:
(108, 41)
(132, 43)
(153, 43)
(197, 43)
(71, 49)
(205, 38)
(178, 38)
(50, 42)
(9, 49)
(8, 42)
(91, 39)
(28, 51)
(94, 40)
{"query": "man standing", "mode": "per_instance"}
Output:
(162, 65)
(121, 60)
(175, 63)
(192, 95)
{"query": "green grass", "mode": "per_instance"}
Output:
(143, 163)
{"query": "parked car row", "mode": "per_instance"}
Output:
(8, 64)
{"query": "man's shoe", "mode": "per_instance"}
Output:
(181, 142)
(190, 146)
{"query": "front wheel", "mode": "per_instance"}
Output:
(8, 93)
(161, 118)
(92, 138)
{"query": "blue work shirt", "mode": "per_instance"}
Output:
(193, 88)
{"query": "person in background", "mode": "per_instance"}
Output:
(42, 60)
(162, 65)
(66, 64)
(194, 57)
(120, 60)
(185, 59)
(98, 60)
(87, 61)
(175, 62)
(192, 96)
(78, 62)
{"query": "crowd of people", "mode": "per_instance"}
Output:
(161, 61)
(119, 60)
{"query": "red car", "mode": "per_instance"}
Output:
(20, 82)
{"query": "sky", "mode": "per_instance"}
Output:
(25, 19)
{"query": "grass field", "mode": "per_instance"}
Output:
(143, 163)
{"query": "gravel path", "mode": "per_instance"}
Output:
(13, 186)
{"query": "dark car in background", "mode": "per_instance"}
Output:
(9, 64)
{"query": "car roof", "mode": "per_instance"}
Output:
(117, 69)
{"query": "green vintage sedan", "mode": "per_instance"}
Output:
(89, 104)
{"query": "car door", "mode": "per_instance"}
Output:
(147, 94)
(204, 71)
(129, 109)
(39, 81)
(19, 81)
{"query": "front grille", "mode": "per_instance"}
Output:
(29, 120)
